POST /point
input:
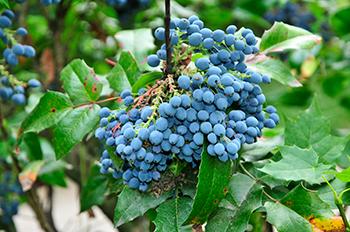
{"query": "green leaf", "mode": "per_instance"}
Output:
(309, 128)
(145, 80)
(50, 172)
(259, 150)
(327, 196)
(245, 196)
(285, 219)
(80, 82)
(297, 164)
(281, 37)
(52, 166)
(32, 142)
(277, 70)
(53, 106)
(118, 162)
(117, 79)
(313, 130)
(132, 204)
(339, 21)
(344, 175)
(172, 214)
(73, 128)
(94, 190)
(330, 148)
(213, 178)
(307, 204)
(239, 187)
(129, 64)
(4, 3)
(56, 178)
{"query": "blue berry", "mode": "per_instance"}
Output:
(218, 35)
(153, 60)
(156, 137)
(202, 63)
(33, 83)
(195, 39)
(184, 82)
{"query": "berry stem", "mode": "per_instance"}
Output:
(168, 67)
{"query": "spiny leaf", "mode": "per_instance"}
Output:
(172, 213)
(297, 164)
(245, 196)
(307, 204)
(312, 130)
(132, 203)
(285, 219)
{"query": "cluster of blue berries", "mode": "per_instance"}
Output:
(14, 49)
(15, 93)
(293, 14)
(226, 50)
(125, 135)
(123, 3)
(44, 2)
(10, 87)
(9, 197)
(220, 106)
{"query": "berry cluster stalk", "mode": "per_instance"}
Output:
(167, 38)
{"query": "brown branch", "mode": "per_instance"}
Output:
(168, 68)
